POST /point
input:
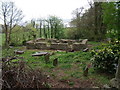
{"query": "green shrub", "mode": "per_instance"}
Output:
(106, 59)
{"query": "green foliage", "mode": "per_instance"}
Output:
(104, 21)
(106, 59)
(109, 14)
(8, 52)
(88, 27)
(75, 74)
(111, 19)
(21, 34)
(71, 33)
(56, 25)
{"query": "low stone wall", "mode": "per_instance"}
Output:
(54, 44)
(40, 40)
(63, 46)
(41, 45)
(84, 41)
(78, 46)
(30, 45)
(63, 41)
(52, 41)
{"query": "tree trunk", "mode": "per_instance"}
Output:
(10, 26)
(9, 36)
(48, 31)
(44, 31)
(51, 31)
(118, 19)
(117, 76)
(96, 20)
(56, 30)
(6, 38)
(40, 29)
(51, 27)
(6, 35)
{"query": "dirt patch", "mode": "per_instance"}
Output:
(73, 83)
(63, 80)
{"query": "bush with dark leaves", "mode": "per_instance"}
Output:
(106, 59)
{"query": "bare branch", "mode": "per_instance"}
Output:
(90, 3)
(10, 16)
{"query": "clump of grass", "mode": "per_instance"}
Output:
(71, 83)
(66, 66)
(76, 74)
(94, 43)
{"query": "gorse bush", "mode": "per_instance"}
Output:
(106, 59)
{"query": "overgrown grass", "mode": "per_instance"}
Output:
(97, 45)
(70, 64)
(94, 43)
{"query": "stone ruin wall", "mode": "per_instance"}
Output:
(54, 44)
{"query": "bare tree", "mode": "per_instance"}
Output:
(90, 3)
(11, 16)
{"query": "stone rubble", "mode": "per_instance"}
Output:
(54, 44)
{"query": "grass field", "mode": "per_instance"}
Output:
(69, 70)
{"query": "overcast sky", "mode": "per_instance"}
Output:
(43, 8)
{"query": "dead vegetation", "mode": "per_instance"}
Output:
(19, 75)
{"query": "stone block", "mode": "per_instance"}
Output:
(64, 41)
(54, 46)
(30, 45)
(114, 83)
(41, 45)
(84, 41)
(40, 40)
(78, 46)
(62, 46)
(72, 41)
(53, 40)
(78, 41)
